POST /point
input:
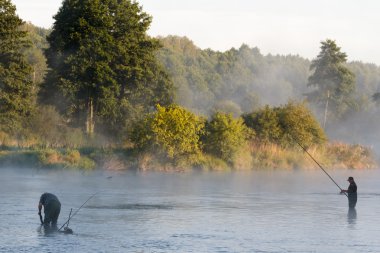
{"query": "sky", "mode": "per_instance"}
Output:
(274, 26)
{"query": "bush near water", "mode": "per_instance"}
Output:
(174, 139)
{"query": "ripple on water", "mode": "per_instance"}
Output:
(132, 207)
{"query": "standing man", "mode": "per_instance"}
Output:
(352, 193)
(52, 208)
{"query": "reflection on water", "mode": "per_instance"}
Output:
(351, 216)
(191, 212)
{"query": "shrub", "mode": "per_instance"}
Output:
(299, 125)
(286, 125)
(72, 156)
(171, 131)
(351, 156)
(50, 158)
(225, 135)
(265, 123)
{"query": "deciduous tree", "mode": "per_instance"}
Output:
(225, 135)
(103, 64)
(172, 131)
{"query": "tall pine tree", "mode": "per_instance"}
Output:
(17, 94)
(103, 64)
(334, 83)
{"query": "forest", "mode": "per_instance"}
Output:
(95, 91)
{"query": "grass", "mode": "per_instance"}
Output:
(254, 156)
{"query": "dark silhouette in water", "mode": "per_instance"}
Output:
(352, 193)
(351, 215)
(52, 208)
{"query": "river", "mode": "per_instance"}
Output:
(278, 211)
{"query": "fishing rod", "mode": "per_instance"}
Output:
(320, 166)
(71, 216)
(67, 224)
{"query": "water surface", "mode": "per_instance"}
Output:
(298, 211)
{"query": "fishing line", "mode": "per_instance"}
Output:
(68, 220)
(320, 166)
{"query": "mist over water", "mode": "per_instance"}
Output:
(283, 211)
(358, 129)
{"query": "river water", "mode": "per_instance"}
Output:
(297, 211)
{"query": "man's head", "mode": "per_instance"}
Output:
(350, 179)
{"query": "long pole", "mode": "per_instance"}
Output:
(77, 211)
(320, 166)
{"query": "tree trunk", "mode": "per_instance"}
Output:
(90, 124)
(326, 108)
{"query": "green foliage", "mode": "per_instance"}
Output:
(299, 125)
(52, 158)
(141, 134)
(333, 80)
(225, 135)
(172, 131)
(17, 94)
(102, 60)
(34, 54)
(367, 82)
(265, 123)
(243, 77)
(286, 125)
(49, 127)
(228, 106)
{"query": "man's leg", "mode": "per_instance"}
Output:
(352, 199)
(52, 210)
(47, 218)
(55, 214)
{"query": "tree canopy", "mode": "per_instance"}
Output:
(286, 125)
(332, 79)
(17, 93)
(225, 135)
(172, 131)
(103, 65)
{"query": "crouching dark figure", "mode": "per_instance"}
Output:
(52, 208)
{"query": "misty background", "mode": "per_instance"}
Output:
(241, 80)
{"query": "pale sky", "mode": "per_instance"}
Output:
(274, 26)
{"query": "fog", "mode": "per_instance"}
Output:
(242, 80)
(359, 128)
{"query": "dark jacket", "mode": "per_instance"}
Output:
(352, 188)
(47, 198)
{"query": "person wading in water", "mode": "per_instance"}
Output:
(352, 193)
(52, 208)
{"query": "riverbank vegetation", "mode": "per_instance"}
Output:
(96, 91)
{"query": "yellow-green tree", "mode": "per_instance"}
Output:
(225, 135)
(172, 131)
(299, 125)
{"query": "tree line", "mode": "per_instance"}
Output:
(96, 77)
